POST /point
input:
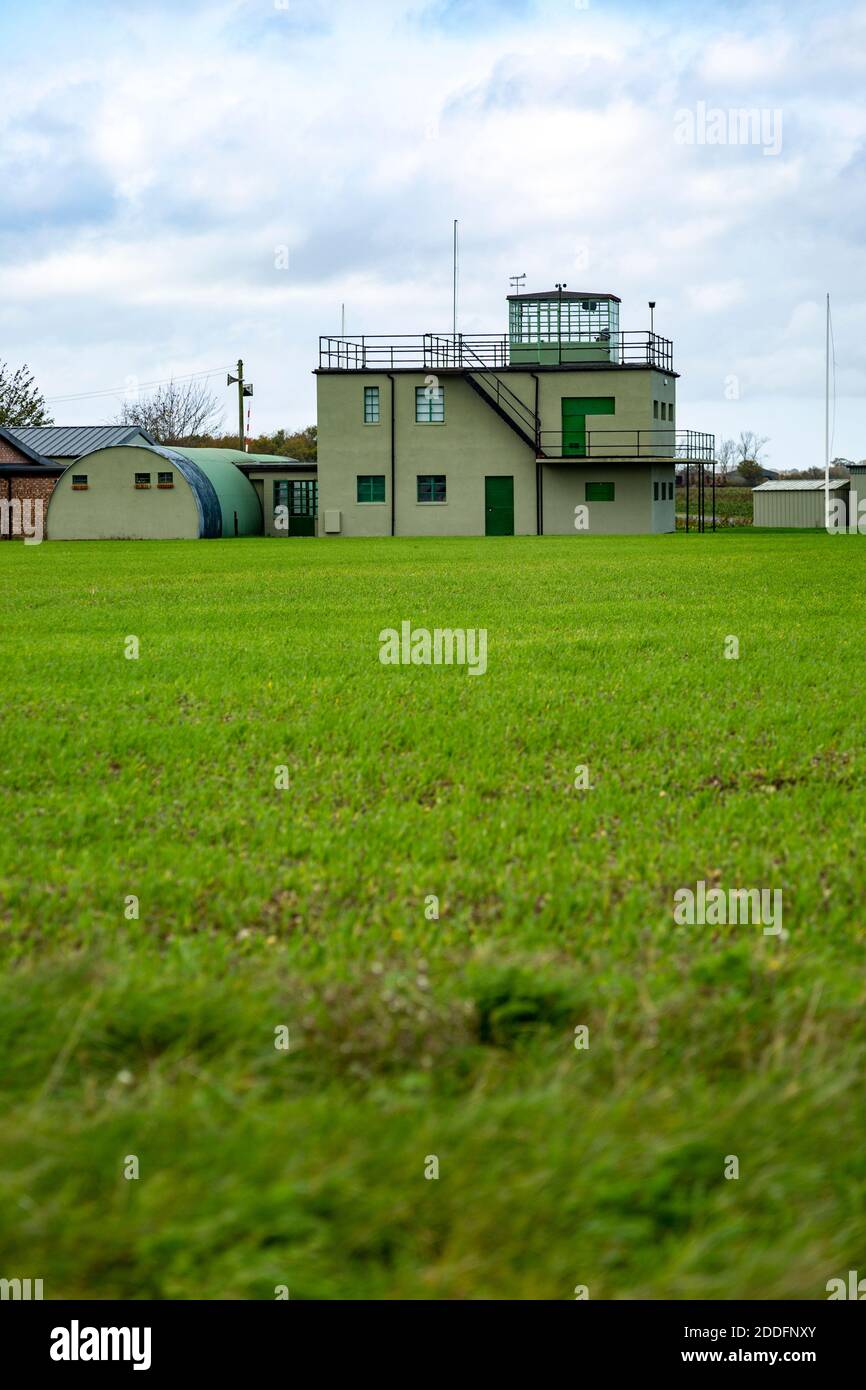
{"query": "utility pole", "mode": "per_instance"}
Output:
(245, 388)
(454, 287)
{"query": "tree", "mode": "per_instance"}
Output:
(295, 444)
(21, 401)
(725, 458)
(751, 471)
(174, 413)
(299, 444)
(749, 447)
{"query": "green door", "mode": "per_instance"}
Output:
(499, 506)
(300, 497)
(574, 412)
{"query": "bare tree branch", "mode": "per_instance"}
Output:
(174, 413)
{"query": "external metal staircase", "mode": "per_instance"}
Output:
(503, 401)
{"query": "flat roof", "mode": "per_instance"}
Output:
(568, 294)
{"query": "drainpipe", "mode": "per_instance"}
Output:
(393, 461)
(539, 486)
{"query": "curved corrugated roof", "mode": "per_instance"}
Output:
(233, 492)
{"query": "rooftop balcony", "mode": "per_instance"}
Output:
(470, 352)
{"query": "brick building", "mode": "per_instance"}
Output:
(27, 480)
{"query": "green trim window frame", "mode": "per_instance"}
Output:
(599, 492)
(429, 405)
(142, 480)
(371, 487)
(371, 405)
(300, 495)
(431, 487)
(79, 482)
(165, 480)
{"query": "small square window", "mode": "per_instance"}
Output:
(371, 487)
(431, 487)
(429, 405)
(142, 480)
(165, 480)
(371, 405)
(79, 481)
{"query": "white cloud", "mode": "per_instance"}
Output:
(155, 160)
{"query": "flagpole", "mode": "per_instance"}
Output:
(827, 420)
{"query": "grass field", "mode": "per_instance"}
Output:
(411, 1037)
(734, 506)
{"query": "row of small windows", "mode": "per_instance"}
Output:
(430, 487)
(429, 405)
(663, 410)
(142, 480)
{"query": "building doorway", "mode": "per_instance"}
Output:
(499, 506)
(574, 412)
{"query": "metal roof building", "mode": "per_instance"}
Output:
(68, 442)
(795, 502)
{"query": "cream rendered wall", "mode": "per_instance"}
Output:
(629, 514)
(473, 443)
(113, 509)
(663, 511)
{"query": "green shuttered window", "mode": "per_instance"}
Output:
(371, 487)
(599, 492)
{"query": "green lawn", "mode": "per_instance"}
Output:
(409, 1037)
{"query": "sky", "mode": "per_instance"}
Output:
(189, 183)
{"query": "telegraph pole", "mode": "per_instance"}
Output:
(244, 389)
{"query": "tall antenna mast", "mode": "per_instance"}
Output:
(454, 305)
(516, 282)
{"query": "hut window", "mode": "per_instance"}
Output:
(371, 405)
(79, 482)
(655, 410)
(142, 480)
(165, 480)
